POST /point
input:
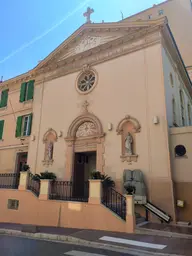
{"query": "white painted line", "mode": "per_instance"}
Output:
(80, 253)
(133, 242)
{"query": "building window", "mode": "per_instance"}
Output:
(161, 12)
(1, 129)
(3, 98)
(189, 113)
(182, 108)
(174, 112)
(24, 124)
(27, 91)
(171, 79)
(86, 81)
(150, 16)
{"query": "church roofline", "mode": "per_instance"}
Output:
(107, 25)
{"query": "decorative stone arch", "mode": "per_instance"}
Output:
(128, 125)
(49, 138)
(93, 141)
(87, 117)
(126, 119)
(50, 133)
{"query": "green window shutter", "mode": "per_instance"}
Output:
(30, 90)
(4, 98)
(23, 92)
(18, 126)
(1, 129)
(30, 124)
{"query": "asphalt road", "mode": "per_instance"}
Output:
(17, 246)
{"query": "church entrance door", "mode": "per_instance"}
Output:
(85, 163)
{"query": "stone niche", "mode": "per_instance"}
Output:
(127, 129)
(49, 139)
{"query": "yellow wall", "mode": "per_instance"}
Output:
(10, 145)
(181, 169)
(179, 14)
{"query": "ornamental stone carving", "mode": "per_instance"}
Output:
(86, 129)
(127, 128)
(87, 43)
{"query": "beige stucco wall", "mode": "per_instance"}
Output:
(10, 145)
(172, 91)
(189, 69)
(128, 85)
(59, 214)
(179, 14)
(181, 168)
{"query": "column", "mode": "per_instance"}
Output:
(23, 180)
(130, 214)
(44, 190)
(95, 191)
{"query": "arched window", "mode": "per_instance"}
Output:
(174, 112)
(182, 107)
(189, 113)
(171, 79)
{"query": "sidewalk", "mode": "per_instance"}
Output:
(155, 245)
(165, 230)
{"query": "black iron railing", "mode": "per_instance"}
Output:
(9, 180)
(69, 191)
(114, 201)
(33, 185)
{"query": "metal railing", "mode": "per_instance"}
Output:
(9, 180)
(114, 201)
(33, 185)
(69, 191)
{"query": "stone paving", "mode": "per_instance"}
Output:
(179, 246)
(169, 228)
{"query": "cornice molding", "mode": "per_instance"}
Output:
(102, 53)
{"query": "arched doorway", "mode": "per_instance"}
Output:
(85, 149)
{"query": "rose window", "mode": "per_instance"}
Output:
(86, 81)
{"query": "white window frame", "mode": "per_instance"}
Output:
(25, 133)
(161, 12)
(26, 91)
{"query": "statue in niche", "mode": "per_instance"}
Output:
(129, 144)
(50, 151)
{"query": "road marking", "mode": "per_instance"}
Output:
(80, 253)
(133, 242)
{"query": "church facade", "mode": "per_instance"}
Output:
(112, 97)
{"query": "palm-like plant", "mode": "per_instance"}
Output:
(45, 175)
(106, 180)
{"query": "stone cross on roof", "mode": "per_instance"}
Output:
(88, 13)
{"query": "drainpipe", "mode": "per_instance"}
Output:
(41, 110)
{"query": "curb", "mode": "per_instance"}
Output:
(77, 241)
(147, 231)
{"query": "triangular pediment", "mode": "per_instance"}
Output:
(90, 36)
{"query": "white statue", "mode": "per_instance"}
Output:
(50, 150)
(128, 144)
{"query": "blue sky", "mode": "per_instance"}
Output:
(31, 29)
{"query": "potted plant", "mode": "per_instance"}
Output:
(25, 168)
(45, 176)
(130, 189)
(106, 180)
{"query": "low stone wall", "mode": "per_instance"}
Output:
(45, 212)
